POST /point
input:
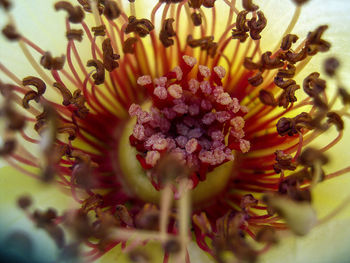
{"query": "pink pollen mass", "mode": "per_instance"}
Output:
(175, 91)
(144, 80)
(190, 118)
(152, 157)
(193, 85)
(178, 72)
(220, 71)
(191, 146)
(204, 71)
(205, 87)
(139, 132)
(160, 92)
(190, 61)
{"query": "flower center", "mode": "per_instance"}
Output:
(190, 118)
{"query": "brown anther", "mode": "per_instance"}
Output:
(68, 128)
(267, 98)
(313, 85)
(288, 96)
(300, 2)
(15, 120)
(79, 101)
(109, 58)
(248, 201)
(7, 148)
(195, 4)
(267, 234)
(59, 151)
(249, 5)
(30, 95)
(330, 66)
(283, 162)
(310, 156)
(283, 84)
(50, 63)
(196, 18)
(205, 43)
(257, 26)
(121, 212)
(99, 30)
(141, 27)
(10, 32)
(288, 73)
(270, 63)
(249, 64)
(242, 28)
(129, 45)
(75, 13)
(111, 10)
(291, 126)
(293, 58)
(209, 3)
(66, 94)
(314, 43)
(288, 40)
(87, 7)
(344, 95)
(99, 76)
(172, 246)
(24, 202)
(166, 32)
(75, 34)
(36, 82)
(334, 118)
(6, 4)
(256, 80)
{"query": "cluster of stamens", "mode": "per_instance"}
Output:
(191, 118)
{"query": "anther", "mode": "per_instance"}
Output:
(36, 82)
(257, 26)
(241, 27)
(68, 128)
(6, 4)
(109, 58)
(75, 34)
(166, 32)
(256, 80)
(141, 27)
(24, 202)
(99, 76)
(196, 18)
(10, 32)
(270, 63)
(66, 94)
(75, 13)
(287, 73)
(310, 156)
(288, 96)
(249, 64)
(99, 30)
(7, 148)
(249, 5)
(209, 3)
(51, 63)
(30, 95)
(111, 10)
(335, 119)
(267, 98)
(331, 65)
(288, 40)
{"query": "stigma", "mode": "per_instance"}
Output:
(191, 118)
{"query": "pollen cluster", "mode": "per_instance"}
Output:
(191, 118)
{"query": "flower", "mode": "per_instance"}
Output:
(144, 111)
